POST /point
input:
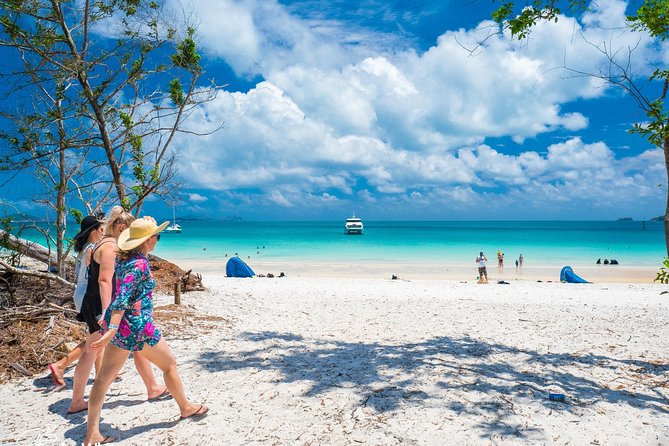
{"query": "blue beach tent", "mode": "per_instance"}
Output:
(568, 275)
(237, 268)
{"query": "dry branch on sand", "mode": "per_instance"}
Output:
(37, 315)
(167, 274)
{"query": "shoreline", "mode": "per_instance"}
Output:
(426, 271)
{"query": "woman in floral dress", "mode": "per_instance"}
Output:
(128, 326)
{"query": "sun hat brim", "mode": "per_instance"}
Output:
(126, 243)
(84, 232)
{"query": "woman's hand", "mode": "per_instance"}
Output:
(104, 340)
(101, 321)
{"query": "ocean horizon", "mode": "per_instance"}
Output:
(631, 243)
(545, 243)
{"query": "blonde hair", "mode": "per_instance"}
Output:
(117, 216)
(125, 255)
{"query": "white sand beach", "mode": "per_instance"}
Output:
(433, 271)
(316, 361)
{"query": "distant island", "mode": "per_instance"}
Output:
(235, 218)
(626, 219)
(660, 218)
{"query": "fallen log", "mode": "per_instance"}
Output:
(43, 275)
(31, 249)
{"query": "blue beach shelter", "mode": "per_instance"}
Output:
(237, 268)
(568, 275)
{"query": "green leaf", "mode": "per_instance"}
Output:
(177, 93)
(77, 215)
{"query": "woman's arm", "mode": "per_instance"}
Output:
(107, 258)
(116, 317)
(89, 251)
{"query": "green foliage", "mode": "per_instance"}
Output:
(135, 69)
(186, 55)
(126, 120)
(74, 87)
(6, 224)
(137, 157)
(652, 16)
(130, 6)
(77, 215)
(7, 254)
(535, 11)
(503, 12)
(663, 274)
(177, 92)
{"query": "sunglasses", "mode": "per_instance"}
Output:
(157, 236)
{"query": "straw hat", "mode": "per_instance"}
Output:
(138, 232)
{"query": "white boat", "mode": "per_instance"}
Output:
(174, 228)
(353, 225)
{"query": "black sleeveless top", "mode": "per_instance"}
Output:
(91, 306)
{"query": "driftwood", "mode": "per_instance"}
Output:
(168, 274)
(190, 282)
(31, 249)
(40, 274)
(22, 370)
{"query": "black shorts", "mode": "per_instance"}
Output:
(483, 271)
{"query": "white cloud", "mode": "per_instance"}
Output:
(331, 123)
(197, 198)
(574, 121)
(277, 197)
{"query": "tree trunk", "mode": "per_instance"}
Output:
(666, 211)
(61, 213)
(92, 99)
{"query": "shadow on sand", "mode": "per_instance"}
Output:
(387, 376)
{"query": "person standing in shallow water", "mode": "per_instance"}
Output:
(128, 326)
(520, 261)
(483, 271)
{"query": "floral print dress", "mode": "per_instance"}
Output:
(134, 295)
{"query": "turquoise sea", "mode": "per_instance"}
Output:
(545, 243)
(632, 243)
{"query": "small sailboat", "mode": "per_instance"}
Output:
(174, 228)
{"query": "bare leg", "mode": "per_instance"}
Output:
(113, 360)
(81, 374)
(98, 363)
(161, 356)
(58, 368)
(144, 369)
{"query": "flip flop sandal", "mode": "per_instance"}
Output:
(57, 380)
(163, 396)
(200, 413)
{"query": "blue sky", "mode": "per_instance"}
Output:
(378, 108)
